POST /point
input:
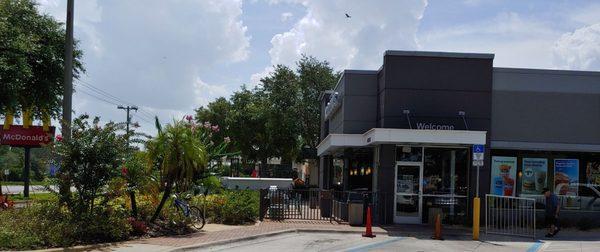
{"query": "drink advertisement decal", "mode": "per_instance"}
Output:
(504, 173)
(566, 171)
(593, 172)
(534, 175)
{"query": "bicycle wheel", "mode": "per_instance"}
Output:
(197, 217)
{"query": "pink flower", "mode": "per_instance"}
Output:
(207, 125)
(189, 118)
(227, 139)
(59, 138)
(124, 171)
(215, 128)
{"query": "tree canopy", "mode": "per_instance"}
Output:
(279, 117)
(32, 59)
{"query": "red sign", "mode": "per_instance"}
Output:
(34, 136)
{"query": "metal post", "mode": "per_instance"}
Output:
(26, 172)
(68, 74)
(477, 181)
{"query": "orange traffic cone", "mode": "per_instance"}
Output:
(369, 231)
(438, 228)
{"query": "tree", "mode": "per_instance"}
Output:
(247, 125)
(179, 154)
(279, 93)
(90, 160)
(137, 174)
(314, 77)
(216, 113)
(32, 59)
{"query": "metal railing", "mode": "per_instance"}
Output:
(508, 215)
(318, 204)
(283, 204)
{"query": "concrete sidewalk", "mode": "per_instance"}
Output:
(218, 235)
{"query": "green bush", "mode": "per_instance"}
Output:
(212, 183)
(230, 207)
(44, 224)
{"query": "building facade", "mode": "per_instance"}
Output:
(406, 130)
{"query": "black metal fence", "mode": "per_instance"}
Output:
(317, 204)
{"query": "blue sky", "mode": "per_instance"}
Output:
(171, 56)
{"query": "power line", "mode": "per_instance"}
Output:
(112, 97)
(99, 98)
(141, 118)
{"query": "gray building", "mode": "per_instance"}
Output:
(407, 131)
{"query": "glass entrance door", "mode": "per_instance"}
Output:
(408, 192)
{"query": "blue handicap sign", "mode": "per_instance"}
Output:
(53, 169)
(478, 148)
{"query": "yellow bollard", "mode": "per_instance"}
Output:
(476, 209)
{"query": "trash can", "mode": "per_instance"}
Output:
(355, 209)
(355, 213)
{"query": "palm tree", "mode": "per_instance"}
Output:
(178, 153)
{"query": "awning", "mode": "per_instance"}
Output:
(375, 136)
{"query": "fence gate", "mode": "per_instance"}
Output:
(510, 215)
(283, 204)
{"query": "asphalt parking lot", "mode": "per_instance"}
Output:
(331, 241)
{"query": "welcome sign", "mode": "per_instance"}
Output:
(34, 136)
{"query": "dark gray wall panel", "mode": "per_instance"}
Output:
(360, 108)
(361, 84)
(438, 73)
(437, 103)
(358, 127)
(385, 179)
(546, 117)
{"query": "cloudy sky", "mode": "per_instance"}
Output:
(171, 56)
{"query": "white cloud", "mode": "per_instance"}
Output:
(516, 41)
(356, 42)
(579, 50)
(155, 53)
(286, 16)
(205, 92)
(255, 78)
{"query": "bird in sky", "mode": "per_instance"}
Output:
(348, 16)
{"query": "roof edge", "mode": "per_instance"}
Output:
(439, 54)
(545, 71)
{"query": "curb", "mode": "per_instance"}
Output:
(247, 238)
(80, 247)
(269, 234)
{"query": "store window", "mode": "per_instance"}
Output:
(361, 170)
(573, 176)
(445, 171)
(338, 174)
(409, 154)
(445, 184)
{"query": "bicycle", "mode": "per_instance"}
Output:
(197, 217)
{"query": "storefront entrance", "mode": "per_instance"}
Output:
(431, 181)
(409, 192)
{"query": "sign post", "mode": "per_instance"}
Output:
(478, 151)
(28, 137)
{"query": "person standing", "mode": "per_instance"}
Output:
(552, 210)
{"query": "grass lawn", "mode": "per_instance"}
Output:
(17, 183)
(34, 196)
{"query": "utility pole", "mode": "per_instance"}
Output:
(65, 185)
(128, 118)
(68, 78)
